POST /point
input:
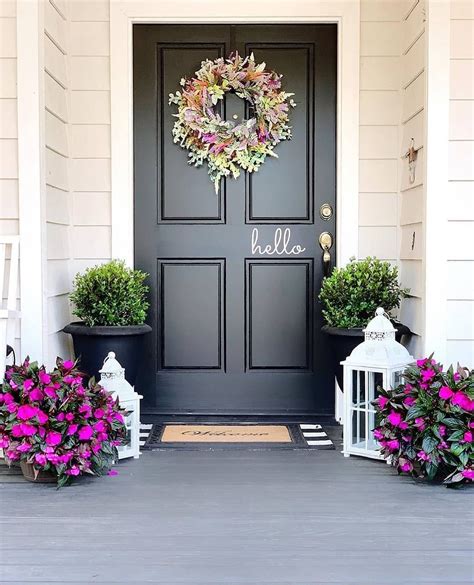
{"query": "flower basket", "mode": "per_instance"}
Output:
(56, 426)
(30, 474)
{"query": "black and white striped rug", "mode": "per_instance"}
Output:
(304, 436)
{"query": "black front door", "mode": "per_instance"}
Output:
(236, 322)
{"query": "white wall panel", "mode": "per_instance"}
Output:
(90, 174)
(8, 159)
(7, 78)
(461, 160)
(413, 97)
(91, 242)
(378, 176)
(461, 352)
(378, 209)
(412, 242)
(90, 141)
(462, 39)
(57, 206)
(460, 235)
(89, 10)
(412, 208)
(379, 108)
(90, 73)
(461, 320)
(8, 118)
(412, 277)
(413, 62)
(378, 142)
(90, 107)
(461, 201)
(89, 38)
(378, 241)
(84, 202)
(461, 120)
(7, 37)
(9, 198)
(379, 73)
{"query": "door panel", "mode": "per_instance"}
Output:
(234, 276)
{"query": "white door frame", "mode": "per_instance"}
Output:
(124, 13)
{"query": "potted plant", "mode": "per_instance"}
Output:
(427, 423)
(55, 426)
(111, 302)
(349, 298)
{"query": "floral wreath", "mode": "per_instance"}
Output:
(229, 147)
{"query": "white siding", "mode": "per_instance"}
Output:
(58, 204)
(9, 216)
(412, 193)
(460, 301)
(380, 31)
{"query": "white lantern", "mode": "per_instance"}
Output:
(112, 378)
(376, 362)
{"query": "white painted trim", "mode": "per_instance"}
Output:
(436, 176)
(31, 174)
(123, 13)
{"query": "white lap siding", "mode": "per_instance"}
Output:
(9, 214)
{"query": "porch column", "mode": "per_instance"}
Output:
(31, 175)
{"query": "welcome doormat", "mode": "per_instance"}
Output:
(243, 436)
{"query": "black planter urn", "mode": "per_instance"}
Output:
(92, 344)
(343, 341)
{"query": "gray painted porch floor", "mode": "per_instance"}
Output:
(238, 517)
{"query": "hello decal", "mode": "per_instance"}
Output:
(280, 246)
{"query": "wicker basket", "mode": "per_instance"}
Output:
(42, 477)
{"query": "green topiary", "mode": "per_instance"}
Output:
(350, 295)
(110, 294)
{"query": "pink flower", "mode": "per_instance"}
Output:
(100, 427)
(409, 401)
(85, 433)
(12, 455)
(393, 444)
(420, 423)
(467, 437)
(112, 472)
(36, 395)
(406, 467)
(24, 447)
(456, 376)
(12, 407)
(462, 400)
(118, 416)
(28, 384)
(28, 430)
(72, 429)
(99, 413)
(73, 471)
(394, 418)
(8, 398)
(468, 474)
(40, 459)
(96, 448)
(85, 410)
(60, 417)
(4, 442)
(445, 392)
(421, 363)
(53, 458)
(50, 392)
(408, 388)
(441, 430)
(443, 445)
(427, 375)
(403, 425)
(422, 456)
(41, 432)
(66, 457)
(69, 416)
(44, 378)
(53, 438)
(378, 434)
(382, 400)
(68, 364)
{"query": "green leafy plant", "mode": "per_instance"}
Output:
(110, 294)
(351, 295)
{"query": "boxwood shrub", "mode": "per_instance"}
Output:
(110, 294)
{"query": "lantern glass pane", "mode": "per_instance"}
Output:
(396, 379)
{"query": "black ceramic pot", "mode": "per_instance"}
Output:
(92, 344)
(343, 341)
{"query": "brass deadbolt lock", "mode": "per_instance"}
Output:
(325, 211)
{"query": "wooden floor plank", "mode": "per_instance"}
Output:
(238, 517)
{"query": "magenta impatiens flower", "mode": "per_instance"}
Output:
(406, 467)
(445, 392)
(25, 412)
(23, 447)
(68, 364)
(409, 401)
(428, 375)
(393, 444)
(44, 378)
(422, 456)
(394, 418)
(85, 433)
(36, 395)
(53, 438)
(40, 459)
(468, 474)
(467, 437)
(28, 384)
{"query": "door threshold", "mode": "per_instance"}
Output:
(155, 416)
